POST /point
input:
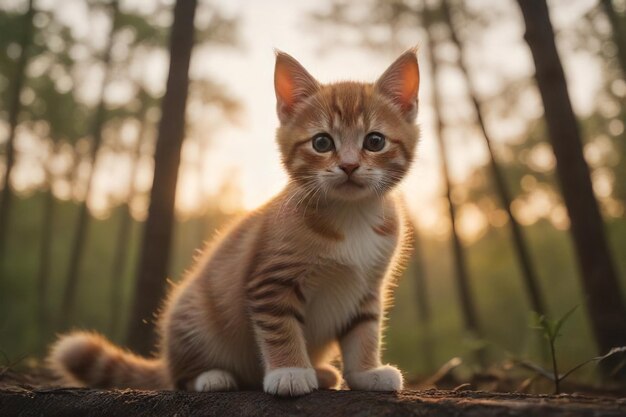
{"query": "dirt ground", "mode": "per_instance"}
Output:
(35, 394)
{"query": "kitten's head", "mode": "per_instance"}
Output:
(347, 140)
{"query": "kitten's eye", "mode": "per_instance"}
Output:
(323, 143)
(374, 142)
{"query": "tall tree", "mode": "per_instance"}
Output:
(155, 251)
(422, 303)
(619, 32)
(125, 220)
(15, 107)
(599, 278)
(82, 222)
(470, 315)
(43, 274)
(57, 105)
(47, 105)
(519, 242)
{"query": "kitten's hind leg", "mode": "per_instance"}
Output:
(328, 377)
(215, 380)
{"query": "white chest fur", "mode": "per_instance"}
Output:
(361, 258)
(362, 246)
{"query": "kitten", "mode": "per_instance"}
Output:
(274, 300)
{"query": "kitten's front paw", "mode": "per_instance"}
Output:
(215, 380)
(383, 378)
(290, 381)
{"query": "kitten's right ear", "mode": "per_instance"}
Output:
(400, 83)
(293, 84)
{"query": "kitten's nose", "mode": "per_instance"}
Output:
(348, 168)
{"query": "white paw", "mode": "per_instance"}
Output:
(383, 378)
(290, 381)
(215, 380)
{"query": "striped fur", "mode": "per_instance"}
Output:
(88, 359)
(305, 278)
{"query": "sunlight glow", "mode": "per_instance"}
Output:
(235, 164)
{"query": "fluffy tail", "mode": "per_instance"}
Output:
(88, 359)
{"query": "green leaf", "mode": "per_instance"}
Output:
(559, 323)
(541, 323)
(614, 351)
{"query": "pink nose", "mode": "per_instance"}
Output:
(348, 168)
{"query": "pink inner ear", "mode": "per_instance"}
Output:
(284, 86)
(401, 81)
(410, 85)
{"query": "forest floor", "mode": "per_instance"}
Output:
(34, 394)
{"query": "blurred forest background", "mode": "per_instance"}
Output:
(111, 183)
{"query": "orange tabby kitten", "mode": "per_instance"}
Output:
(272, 301)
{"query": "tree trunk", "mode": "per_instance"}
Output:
(155, 253)
(422, 302)
(421, 291)
(47, 222)
(124, 236)
(468, 308)
(202, 230)
(599, 278)
(619, 33)
(82, 224)
(519, 242)
(14, 112)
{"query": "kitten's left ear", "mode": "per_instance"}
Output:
(293, 84)
(400, 83)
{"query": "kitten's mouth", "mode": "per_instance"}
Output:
(350, 183)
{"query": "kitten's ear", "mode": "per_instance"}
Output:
(292, 83)
(400, 83)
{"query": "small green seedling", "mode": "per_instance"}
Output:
(551, 331)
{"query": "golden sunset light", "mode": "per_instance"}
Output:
(208, 195)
